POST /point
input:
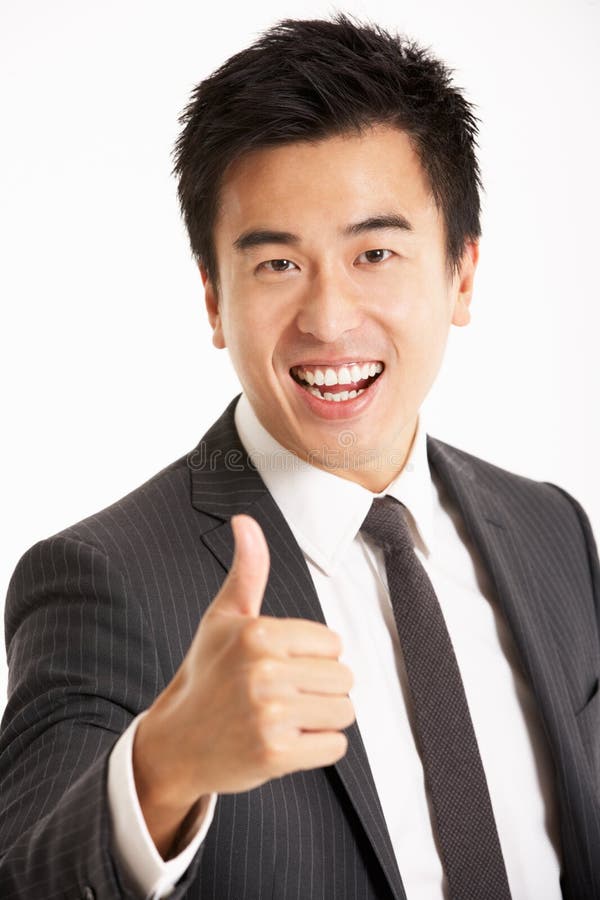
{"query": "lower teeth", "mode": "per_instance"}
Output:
(336, 398)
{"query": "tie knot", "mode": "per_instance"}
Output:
(386, 523)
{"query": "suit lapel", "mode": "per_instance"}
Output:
(504, 556)
(232, 485)
(525, 597)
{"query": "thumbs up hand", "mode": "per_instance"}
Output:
(256, 697)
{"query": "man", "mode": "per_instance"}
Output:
(325, 654)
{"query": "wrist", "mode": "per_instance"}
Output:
(169, 809)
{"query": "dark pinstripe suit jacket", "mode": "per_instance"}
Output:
(99, 616)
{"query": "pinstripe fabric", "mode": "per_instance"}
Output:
(99, 617)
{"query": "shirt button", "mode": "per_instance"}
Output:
(88, 894)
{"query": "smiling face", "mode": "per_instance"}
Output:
(334, 299)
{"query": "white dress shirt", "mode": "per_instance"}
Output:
(325, 512)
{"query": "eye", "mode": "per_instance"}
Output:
(277, 265)
(374, 256)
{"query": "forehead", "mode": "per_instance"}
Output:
(333, 181)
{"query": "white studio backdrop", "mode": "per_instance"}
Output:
(109, 373)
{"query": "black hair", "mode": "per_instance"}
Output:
(313, 79)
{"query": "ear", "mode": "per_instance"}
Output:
(466, 275)
(211, 299)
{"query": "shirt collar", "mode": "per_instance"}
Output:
(323, 510)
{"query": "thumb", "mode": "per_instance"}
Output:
(243, 589)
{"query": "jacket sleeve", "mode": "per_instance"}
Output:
(82, 664)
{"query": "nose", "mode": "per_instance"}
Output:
(329, 307)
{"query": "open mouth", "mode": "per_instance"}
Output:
(338, 384)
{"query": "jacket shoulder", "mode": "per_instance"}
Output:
(512, 486)
(544, 510)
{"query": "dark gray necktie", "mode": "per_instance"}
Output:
(464, 818)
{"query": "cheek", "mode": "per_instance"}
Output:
(417, 318)
(250, 338)
(410, 311)
(258, 322)
(424, 304)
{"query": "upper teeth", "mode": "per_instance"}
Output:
(348, 374)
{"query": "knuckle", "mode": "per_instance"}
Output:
(272, 757)
(266, 668)
(269, 714)
(272, 743)
(253, 635)
(274, 752)
(259, 679)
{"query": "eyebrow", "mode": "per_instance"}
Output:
(259, 236)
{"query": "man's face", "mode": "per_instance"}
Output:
(334, 300)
